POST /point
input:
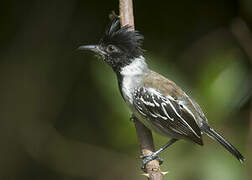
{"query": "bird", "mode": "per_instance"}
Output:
(159, 103)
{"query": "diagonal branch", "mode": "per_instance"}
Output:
(144, 135)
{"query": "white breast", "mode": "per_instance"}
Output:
(132, 76)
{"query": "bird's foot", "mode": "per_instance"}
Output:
(148, 158)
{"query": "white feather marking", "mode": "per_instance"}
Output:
(185, 107)
(140, 110)
(168, 102)
(164, 110)
(163, 117)
(182, 119)
(142, 113)
(157, 104)
(154, 115)
(149, 103)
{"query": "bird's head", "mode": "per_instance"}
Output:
(119, 46)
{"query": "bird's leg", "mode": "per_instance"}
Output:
(154, 155)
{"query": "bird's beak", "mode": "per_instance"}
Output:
(93, 48)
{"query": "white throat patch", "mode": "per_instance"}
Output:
(138, 66)
(132, 76)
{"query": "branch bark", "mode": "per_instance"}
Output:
(144, 135)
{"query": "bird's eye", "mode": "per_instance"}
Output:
(111, 49)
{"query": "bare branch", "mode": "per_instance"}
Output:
(144, 135)
(126, 13)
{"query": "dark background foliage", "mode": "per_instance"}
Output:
(62, 116)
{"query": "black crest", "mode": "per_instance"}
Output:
(128, 41)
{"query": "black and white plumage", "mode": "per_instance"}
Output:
(156, 101)
(166, 115)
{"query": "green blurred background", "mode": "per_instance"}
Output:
(61, 114)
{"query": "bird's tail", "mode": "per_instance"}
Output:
(214, 135)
